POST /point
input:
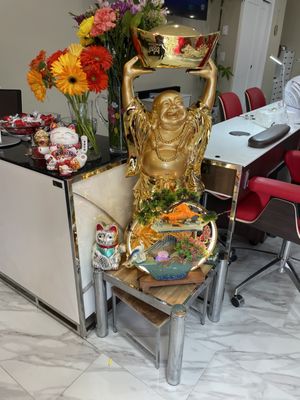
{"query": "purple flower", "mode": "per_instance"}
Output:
(134, 8)
(78, 18)
(121, 7)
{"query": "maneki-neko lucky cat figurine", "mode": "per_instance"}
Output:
(106, 253)
(66, 153)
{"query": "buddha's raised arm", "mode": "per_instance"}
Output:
(131, 72)
(209, 73)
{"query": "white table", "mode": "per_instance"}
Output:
(230, 163)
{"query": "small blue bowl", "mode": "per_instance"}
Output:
(167, 271)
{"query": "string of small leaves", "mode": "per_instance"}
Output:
(161, 201)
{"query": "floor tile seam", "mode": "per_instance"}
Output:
(93, 346)
(124, 368)
(281, 330)
(75, 379)
(210, 362)
(204, 369)
(15, 380)
(208, 366)
(256, 373)
(78, 370)
(138, 378)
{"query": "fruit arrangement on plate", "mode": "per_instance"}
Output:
(26, 124)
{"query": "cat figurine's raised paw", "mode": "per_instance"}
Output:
(106, 253)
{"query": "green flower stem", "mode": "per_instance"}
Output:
(84, 125)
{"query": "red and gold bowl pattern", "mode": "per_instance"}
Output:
(174, 46)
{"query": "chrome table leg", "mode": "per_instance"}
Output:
(101, 303)
(176, 342)
(218, 288)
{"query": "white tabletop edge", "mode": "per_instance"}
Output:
(225, 148)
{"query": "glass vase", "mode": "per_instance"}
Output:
(117, 144)
(82, 116)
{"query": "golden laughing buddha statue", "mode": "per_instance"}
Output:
(166, 146)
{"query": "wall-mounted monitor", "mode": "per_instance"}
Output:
(196, 9)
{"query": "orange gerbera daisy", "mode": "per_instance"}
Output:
(35, 81)
(36, 62)
(96, 56)
(64, 61)
(71, 80)
(97, 79)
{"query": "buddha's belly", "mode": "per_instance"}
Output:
(168, 163)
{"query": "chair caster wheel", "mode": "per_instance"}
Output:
(237, 300)
(233, 258)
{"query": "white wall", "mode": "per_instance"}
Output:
(230, 18)
(291, 32)
(274, 43)
(27, 26)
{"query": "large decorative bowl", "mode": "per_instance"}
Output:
(26, 124)
(159, 236)
(173, 46)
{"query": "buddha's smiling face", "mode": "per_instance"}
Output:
(170, 110)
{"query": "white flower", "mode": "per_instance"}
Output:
(158, 3)
(103, 3)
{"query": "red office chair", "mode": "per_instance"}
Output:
(271, 206)
(230, 105)
(254, 98)
(292, 161)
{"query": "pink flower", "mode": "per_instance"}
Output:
(103, 21)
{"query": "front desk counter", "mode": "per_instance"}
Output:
(47, 228)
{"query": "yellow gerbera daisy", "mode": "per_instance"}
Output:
(66, 60)
(75, 49)
(35, 81)
(72, 81)
(84, 31)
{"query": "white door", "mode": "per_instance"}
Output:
(252, 44)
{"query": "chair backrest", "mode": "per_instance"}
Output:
(254, 98)
(230, 105)
(292, 160)
(271, 206)
(10, 102)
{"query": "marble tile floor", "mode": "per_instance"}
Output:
(253, 353)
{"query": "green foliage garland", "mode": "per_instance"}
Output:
(161, 201)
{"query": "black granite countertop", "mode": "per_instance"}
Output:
(20, 155)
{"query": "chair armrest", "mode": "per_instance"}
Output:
(292, 161)
(274, 188)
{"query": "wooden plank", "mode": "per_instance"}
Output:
(154, 316)
(147, 281)
(175, 294)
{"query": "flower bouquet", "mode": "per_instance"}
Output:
(75, 71)
(109, 24)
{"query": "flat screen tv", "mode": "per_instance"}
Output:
(196, 9)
